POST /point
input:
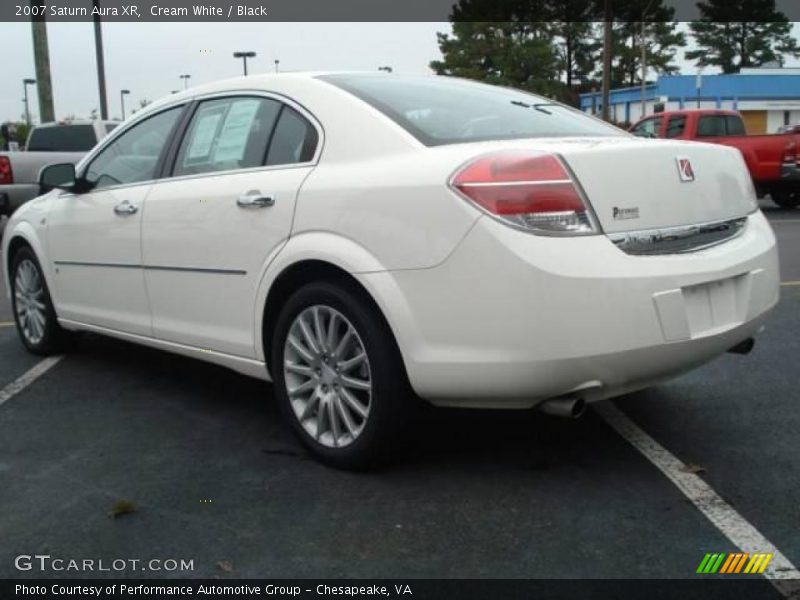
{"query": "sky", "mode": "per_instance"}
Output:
(148, 58)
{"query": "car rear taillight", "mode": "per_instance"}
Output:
(6, 176)
(532, 192)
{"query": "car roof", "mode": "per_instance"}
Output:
(73, 122)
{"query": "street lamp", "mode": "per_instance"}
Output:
(244, 56)
(277, 62)
(122, 94)
(387, 69)
(25, 83)
(185, 78)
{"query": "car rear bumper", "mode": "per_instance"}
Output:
(510, 319)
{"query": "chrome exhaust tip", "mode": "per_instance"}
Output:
(569, 407)
(743, 347)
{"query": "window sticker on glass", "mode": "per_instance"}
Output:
(235, 131)
(203, 136)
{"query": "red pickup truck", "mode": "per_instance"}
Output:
(773, 160)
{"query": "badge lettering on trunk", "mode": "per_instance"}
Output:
(685, 170)
(625, 213)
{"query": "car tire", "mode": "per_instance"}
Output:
(321, 385)
(32, 306)
(786, 198)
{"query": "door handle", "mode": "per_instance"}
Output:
(255, 200)
(125, 208)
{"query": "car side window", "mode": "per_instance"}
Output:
(676, 126)
(227, 134)
(648, 128)
(294, 141)
(133, 156)
(711, 126)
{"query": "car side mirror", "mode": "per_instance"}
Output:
(61, 176)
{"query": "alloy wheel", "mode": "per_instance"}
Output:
(29, 300)
(327, 376)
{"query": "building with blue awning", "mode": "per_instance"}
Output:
(767, 97)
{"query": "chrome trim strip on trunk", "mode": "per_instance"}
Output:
(677, 240)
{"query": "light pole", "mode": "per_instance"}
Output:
(25, 83)
(122, 94)
(387, 69)
(244, 55)
(277, 62)
(185, 78)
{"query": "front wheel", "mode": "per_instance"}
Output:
(34, 314)
(339, 377)
(786, 198)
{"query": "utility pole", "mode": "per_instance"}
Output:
(101, 67)
(41, 56)
(608, 25)
(643, 42)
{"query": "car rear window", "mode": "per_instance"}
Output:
(62, 138)
(720, 126)
(445, 110)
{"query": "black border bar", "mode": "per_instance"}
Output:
(702, 587)
(349, 10)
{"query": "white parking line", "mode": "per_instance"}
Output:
(27, 378)
(781, 573)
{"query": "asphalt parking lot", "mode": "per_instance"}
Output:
(215, 478)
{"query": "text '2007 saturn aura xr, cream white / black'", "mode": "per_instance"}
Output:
(366, 239)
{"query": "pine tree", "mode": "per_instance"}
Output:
(651, 21)
(518, 54)
(732, 45)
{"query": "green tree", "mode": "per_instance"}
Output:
(647, 20)
(512, 53)
(732, 45)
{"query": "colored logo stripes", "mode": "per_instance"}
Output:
(734, 562)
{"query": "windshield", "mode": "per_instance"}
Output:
(445, 110)
(62, 138)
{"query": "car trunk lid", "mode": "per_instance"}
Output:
(649, 184)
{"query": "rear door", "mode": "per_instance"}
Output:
(210, 228)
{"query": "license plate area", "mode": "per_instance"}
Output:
(716, 305)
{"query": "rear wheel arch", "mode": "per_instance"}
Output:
(300, 273)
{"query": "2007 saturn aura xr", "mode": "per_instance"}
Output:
(364, 239)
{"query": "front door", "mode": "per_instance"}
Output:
(94, 238)
(210, 229)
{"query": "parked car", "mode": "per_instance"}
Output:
(360, 239)
(47, 144)
(795, 128)
(772, 160)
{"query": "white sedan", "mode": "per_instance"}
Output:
(362, 239)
